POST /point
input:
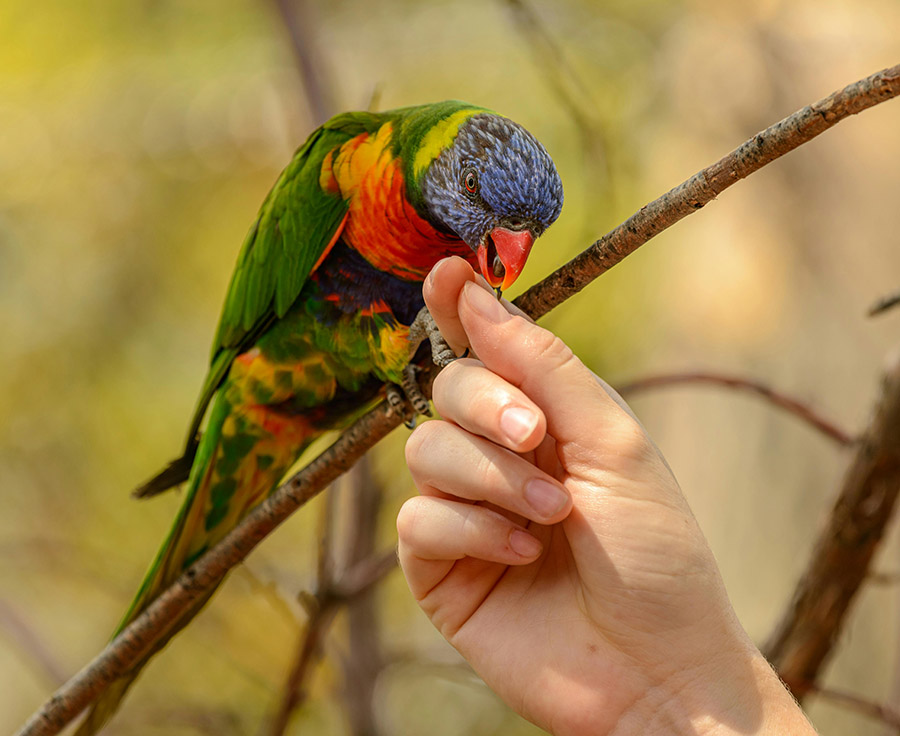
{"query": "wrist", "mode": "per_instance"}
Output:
(737, 693)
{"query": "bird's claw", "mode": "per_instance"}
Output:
(408, 394)
(424, 327)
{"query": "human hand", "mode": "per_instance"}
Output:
(553, 548)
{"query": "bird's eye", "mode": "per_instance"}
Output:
(470, 182)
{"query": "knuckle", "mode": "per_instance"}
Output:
(630, 441)
(545, 346)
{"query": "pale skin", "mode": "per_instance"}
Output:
(552, 546)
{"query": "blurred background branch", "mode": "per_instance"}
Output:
(351, 589)
(805, 637)
(884, 304)
(572, 94)
(795, 407)
(883, 714)
(316, 86)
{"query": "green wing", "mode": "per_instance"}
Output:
(296, 224)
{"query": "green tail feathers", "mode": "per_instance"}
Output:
(237, 465)
(174, 474)
(178, 551)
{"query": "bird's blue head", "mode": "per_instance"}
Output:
(496, 188)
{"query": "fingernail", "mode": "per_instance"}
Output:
(524, 544)
(517, 424)
(544, 497)
(484, 304)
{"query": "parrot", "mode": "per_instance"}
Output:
(319, 313)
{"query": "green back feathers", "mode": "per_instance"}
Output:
(298, 220)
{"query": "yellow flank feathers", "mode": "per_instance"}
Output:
(439, 138)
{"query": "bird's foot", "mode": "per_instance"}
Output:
(408, 390)
(424, 327)
(442, 354)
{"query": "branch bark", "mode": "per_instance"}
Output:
(649, 221)
(766, 146)
(805, 637)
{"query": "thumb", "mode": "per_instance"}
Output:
(591, 429)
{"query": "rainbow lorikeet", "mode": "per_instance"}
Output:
(327, 284)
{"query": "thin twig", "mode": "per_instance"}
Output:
(352, 587)
(363, 660)
(890, 717)
(554, 67)
(884, 304)
(883, 578)
(294, 691)
(325, 606)
(24, 635)
(650, 220)
(574, 97)
(793, 406)
(320, 616)
(297, 18)
(805, 636)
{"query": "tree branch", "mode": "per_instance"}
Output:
(789, 404)
(363, 660)
(650, 220)
(884, 304)
(325, 605)
(876, 711)
(706, 185)
(804, 638)
(297, 18)
(353, 587)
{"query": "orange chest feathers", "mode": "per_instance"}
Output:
(381, 224)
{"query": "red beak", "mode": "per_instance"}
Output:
(502, 255)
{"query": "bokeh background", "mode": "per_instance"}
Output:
(137, 140)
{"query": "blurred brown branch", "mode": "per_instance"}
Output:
(21, 632)
(323, 606)
(793, 406)
(650, 220)
(877, 711)
(298, 20)
(353, 587)
(805, 637)
(364, 659)
(571, 92)
(555, 69)
(884, 304)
